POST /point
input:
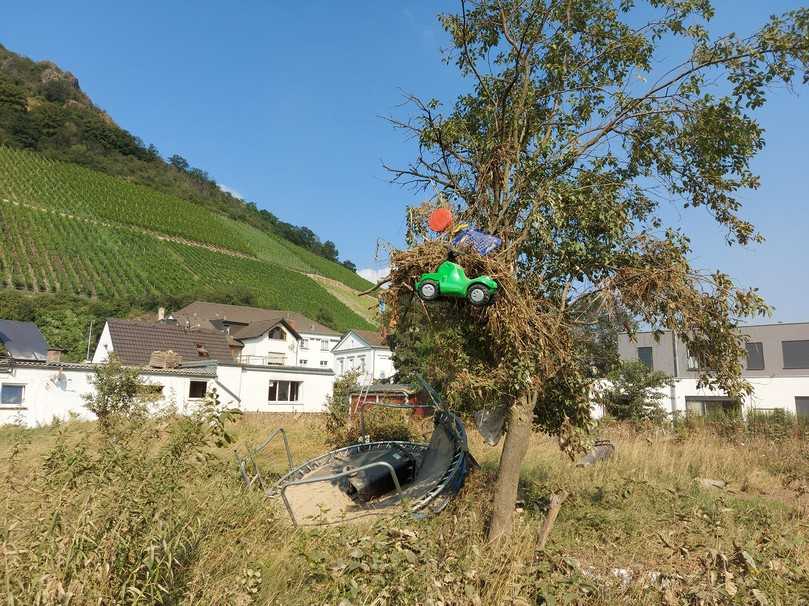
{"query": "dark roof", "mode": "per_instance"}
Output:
(193, 371)
(203, 314)
(133, 342)
(256, 329)
(23, 340)
(373, 338)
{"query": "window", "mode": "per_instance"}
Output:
(802, 407)
(755, 356)
(340, 363)
(304, 362)
(278, 334)
(283, 391)
(645, 356)
(796, 354)
(324, 363)
(693, 362)
(304, 343)
(12, 395)
(324, 345)
(361, 363)
(197, 389)
(711, 406)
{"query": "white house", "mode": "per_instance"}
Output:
(44, 391)
(258, 360)
(776, 365)
(36, 386)
(365, 351)
(265, 336)
(260, 375)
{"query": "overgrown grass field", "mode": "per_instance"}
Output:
(155, 513)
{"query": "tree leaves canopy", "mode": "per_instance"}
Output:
(576, 131)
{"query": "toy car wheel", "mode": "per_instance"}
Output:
(478, 294)
(428, 290)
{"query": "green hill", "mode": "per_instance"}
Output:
(43, 109)
(34, 180)
(94, 222)
(67, 229)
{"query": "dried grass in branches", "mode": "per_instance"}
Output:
(527, 337)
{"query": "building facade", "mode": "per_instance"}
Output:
(47, 391)
(364, 351)
(265, 375)
(776, 365)
(265, 336)
(258, 361)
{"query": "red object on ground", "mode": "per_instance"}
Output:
(440, 219)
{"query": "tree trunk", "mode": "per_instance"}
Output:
(508, 473)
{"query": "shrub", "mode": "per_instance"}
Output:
(119, 393)
(126, 522)
(381, 424)
(633, 392)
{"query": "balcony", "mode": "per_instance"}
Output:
(271, 359)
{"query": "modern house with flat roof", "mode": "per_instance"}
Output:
(776, 365)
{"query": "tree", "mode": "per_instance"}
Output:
(350, 265)
(57, 90)
(118, 393)
(178, 162)
(634, 392)
(574, 129)
(329, 250)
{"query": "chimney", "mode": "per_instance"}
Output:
(161, 313)
(54, 355)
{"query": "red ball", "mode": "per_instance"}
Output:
(440, 219)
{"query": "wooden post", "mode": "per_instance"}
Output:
(550, 518)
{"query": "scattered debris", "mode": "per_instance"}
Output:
(370, 478)
(708, 483)
(601, 451)
(441, 221)
(491, 424)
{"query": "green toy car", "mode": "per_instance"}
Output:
(450, 280)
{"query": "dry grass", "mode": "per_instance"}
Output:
(642, 513)
(363, 306)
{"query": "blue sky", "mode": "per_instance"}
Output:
(283, 103)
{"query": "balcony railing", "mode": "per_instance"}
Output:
(268, 360)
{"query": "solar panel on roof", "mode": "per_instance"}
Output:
(23, 340)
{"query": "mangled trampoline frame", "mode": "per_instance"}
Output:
(442, 466)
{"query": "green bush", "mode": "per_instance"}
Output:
(633, 392)
(123, 525)
(118, 394)
(381, 424)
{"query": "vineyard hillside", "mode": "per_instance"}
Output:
(67, 229)
(43, 109)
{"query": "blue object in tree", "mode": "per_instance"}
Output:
(482, 242)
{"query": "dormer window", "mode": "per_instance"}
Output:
(278, 333)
